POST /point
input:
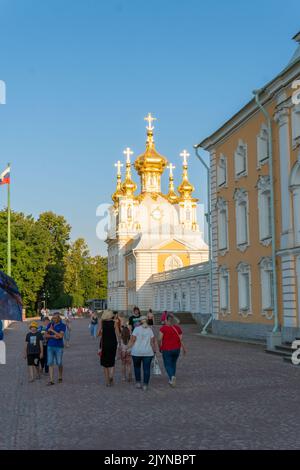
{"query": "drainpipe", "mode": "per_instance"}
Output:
(270, 145)
(208, 218)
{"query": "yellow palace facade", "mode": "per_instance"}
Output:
(255, 208)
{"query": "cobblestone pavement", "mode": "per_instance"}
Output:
(229, 396)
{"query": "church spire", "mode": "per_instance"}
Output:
(172, 196)
(185, 188)
(129, 186)
(150, 165)
(118, 193)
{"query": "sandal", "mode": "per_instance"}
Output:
(50, 383)
(60, 380)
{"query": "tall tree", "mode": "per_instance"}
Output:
(59, 233)
(30, 245)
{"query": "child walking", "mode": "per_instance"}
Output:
(33, 350)
(125, 354)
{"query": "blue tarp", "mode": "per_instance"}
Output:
(10, 299)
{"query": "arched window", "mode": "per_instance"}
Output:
(264, 210)
(222, 224)
(173, 262)
(262, 145)
(224, 288)
(222, 171)
(295, 189)
(241, 211)
(244, 288)
(240, 159)
(267, 285)
(129, 212)
(296, 125)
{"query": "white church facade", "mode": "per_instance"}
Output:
(151, 233)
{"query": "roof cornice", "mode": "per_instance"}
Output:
(289, 74)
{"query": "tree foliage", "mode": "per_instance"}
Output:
(46, 266)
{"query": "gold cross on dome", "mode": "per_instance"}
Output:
(171, 167)
(185, 155)
(149, 119)
(128, 152)
(119, 165)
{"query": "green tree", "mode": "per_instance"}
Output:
(59, 233)
(30, 246)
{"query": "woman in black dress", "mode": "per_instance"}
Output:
(108, 346)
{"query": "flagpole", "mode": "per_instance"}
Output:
(8, 230)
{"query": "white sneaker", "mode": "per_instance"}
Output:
(145, 388)
(138, 385)
(173, 381)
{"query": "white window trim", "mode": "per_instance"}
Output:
(295, 118)
(242, 269)
(222, 206)
(241, 197)
(261, 137)
(264, 189)
(241, 146)
(224, 273)
(295, 190)
(222, 166)
(265, 266)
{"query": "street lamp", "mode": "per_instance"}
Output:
(208, 218)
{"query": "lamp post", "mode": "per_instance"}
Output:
(208, 219)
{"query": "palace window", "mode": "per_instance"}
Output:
(262, 145)
(222, 171)
(241, 211)
(264, 209)
(222, 224)
(266, 280)
(296, 125)
(295, 189)
(173, 262)
(224, 288)
(240, 159)
(244, 289)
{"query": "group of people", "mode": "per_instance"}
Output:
(44, 346)
(134, 341)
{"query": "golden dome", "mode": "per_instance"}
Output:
(150, 161)
(119, 192)
(172, 196)
(185, 189)
(129, 186)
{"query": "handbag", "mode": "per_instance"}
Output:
(155, 366)
(181, 342)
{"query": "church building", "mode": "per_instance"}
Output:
(150, 232)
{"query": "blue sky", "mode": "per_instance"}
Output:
(82, 74)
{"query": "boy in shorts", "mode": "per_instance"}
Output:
(33, 350)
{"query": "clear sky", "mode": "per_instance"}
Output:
(82, 74)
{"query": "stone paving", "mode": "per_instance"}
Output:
(229, 396)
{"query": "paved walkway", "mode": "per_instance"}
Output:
(229, 395)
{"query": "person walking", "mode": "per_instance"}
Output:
(55, 332)
(163, 318)
(44, 360)
(134, 319)
(143, 347)
(33, 350)
(170, 341)
(150, 317)
(94, 325)
(125, 353)
(109, 338)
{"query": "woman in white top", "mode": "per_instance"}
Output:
(143, 347)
